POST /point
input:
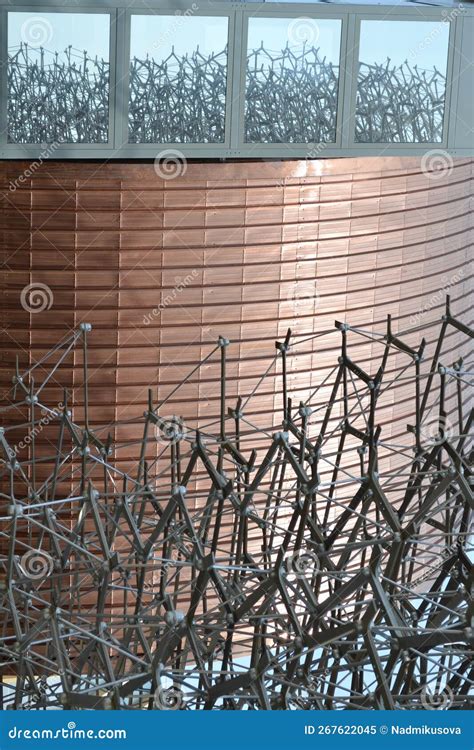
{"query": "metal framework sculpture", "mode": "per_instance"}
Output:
(56, 98)
(399, 104)
(215, 576)
(291, 97)
(178, 99)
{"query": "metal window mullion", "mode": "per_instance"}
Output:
(112, 76)
(238, 65)
(451, 89)
(230, 68)
(349, 57)
(3, 77)
(248, 148)
(122, 74)
(454, 81)
(353, 50)
(347, 65)
(463, 123)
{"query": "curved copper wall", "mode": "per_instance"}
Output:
(244, 250)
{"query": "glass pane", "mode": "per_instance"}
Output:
(401, 81)
(58, 77)
(292, 80)
(178, 76)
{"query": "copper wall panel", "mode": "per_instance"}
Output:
(114, 241)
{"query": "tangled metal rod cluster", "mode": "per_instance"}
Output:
(56, 98)
(291, 97)
(211, 575)
(178, 99)
(399, 104)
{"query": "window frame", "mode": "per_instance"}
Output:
(31, 149)
(152, 149)
(402, 16)
(234, 146)
(331, 13)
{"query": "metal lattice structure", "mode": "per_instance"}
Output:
(291, 97)
(399, 104)
(217, 576)
(57, 99)
(178, 99)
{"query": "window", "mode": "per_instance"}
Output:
(58, 77)
(115, 80)
(292, 80)
(401, 82)
(178, 79)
